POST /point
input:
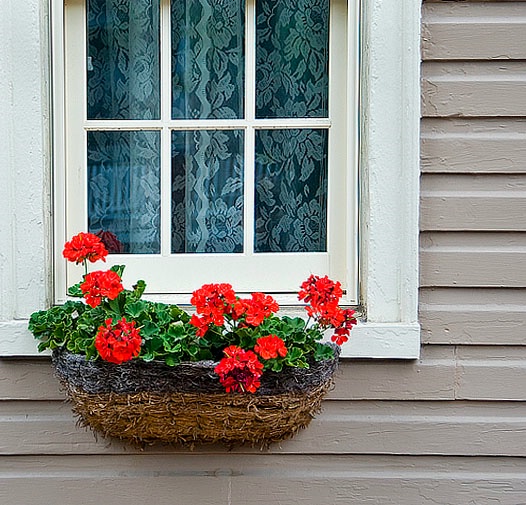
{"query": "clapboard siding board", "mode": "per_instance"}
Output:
(491, 372)
(28, 379)
(464, 89)
(473, 316)
(259, 479)
(472, 212)
(344, 427)
(461, 267)
(483, 202)
(475, 259)
(475, 145)
(471, 31)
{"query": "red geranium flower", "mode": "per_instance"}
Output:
(258, 308)
(319, 291)
(330, 314)
(270, 347)
(212, 302)
(201, 323)
(85, 246)
(118, 343)
(100, 284)
(341, 334)
(240, 370)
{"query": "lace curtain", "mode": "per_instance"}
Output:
(123, 83)
(207, 165)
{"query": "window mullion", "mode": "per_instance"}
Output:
(166, 179)
(250, 107)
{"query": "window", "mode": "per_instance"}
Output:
(389, 170)
(209, 138)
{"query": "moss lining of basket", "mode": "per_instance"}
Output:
(152, 402)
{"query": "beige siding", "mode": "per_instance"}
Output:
(261, 480)
(448, 428)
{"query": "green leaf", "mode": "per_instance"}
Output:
(115, 306)
(149, 329)
(323, 351)
(75, 291)
(176, 331)
(118, 269)
(175, 348)
(277, 366)
(138, 289)
(135, 309)
(171, 361)
(193, 350)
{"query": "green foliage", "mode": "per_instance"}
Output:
(301, 341)
(166, 331)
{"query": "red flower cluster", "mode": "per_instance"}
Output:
(270, 347)
(100, 284)
(85, 246)
(342, 332)
(240, 370)
(320, 292)
(323, 295)
(256, 309)
(212, 302)
(118, 343)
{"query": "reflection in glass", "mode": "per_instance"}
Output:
(207, 191)
(123, 59)
(291, 190)
(124, 188)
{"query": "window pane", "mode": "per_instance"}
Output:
(207, 59)
(292, 55)
(207, 191)
(291, 191)
(123, 59)
(124, 188)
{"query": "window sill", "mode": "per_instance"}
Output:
(368, 340)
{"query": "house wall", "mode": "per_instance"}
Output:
(448, 428)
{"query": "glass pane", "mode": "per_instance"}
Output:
(123, 59)
(207, 191)
(208, 39)
(292, 57)
(291, 191)
(124, 196)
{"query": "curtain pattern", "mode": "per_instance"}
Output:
(208, 38)
(291, 190)
(207, 191)
(208, 165)
(123, 59)
(292, 56)
(124, 195)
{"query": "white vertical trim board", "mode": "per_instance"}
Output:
(389, 173)
(388, 170)
(25, 192)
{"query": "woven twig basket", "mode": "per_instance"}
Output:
(149, 402)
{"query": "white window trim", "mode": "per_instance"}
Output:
(172, 278)
(389, 174)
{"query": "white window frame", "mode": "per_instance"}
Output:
(172, 278)
(388, 172)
